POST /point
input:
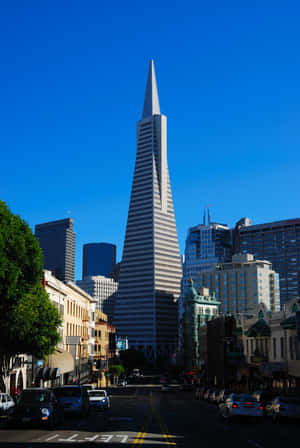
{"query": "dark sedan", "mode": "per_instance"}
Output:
(37, 406)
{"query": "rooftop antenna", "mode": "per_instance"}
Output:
(208, 214)
(204, 223)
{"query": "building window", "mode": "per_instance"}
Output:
(274, 348)
(291, 348)
(282, 348)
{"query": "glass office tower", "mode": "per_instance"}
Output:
(206, 245)
(98, 259)
(57, 241)
(279, 243)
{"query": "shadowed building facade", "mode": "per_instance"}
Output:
(150, 273)
(57, 241)
(98, 259)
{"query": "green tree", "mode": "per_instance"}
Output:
(28, 320)
(117, 370)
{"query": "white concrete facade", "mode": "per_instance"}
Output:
(243, 284)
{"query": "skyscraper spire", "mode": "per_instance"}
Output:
(151, 101)
(150, 272)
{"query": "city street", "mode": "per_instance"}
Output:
(144, 415)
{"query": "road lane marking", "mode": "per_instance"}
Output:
(70, 439)
(123, 437)
(137, 438)
(52, 437)
(162, 425)
(142, 438)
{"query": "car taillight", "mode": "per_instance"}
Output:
(234, 405)
(261, 408)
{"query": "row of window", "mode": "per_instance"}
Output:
(279, 352)
(76, 310)
(77, 330)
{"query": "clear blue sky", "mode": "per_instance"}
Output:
(72, 83)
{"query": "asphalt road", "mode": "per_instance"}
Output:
(145, 416)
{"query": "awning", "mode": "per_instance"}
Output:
(43, 373)
(61, 360)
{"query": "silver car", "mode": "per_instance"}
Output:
(284, 407)
(241, 405)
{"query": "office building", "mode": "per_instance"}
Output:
(98, 259)
(242, 284)
(103, 290)
(279, 243)
(206, 244)
(57, 241)
(150, 274)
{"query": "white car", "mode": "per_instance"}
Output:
(287, 407)
(241, 405)
(6, 403)
(98, 399)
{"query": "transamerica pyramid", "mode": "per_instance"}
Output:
(150, 273)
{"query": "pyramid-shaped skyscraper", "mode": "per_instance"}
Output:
(150, 274)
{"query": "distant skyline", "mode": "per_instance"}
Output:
(71, 87)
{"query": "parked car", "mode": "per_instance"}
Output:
(241, 405)
(88, 386)
(205, 394)
(214, 396)
(265, 398)
(199, 392)
(74, 399)
(37, 406)
(284, 407)
(98, 399)
(211, 395)
(222, 395)
(6, 404)
(172, 386)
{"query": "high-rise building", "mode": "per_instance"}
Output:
(242, 284)
(103, 290)
(150, 274)
(279, 243)
(98, 259)
(57, 241)
(206, 244)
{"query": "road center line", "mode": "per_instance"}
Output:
(137, 438)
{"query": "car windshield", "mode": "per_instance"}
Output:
(67, 392)
(34, 396)
(289, 400)
(97, 393)
(243, 397)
